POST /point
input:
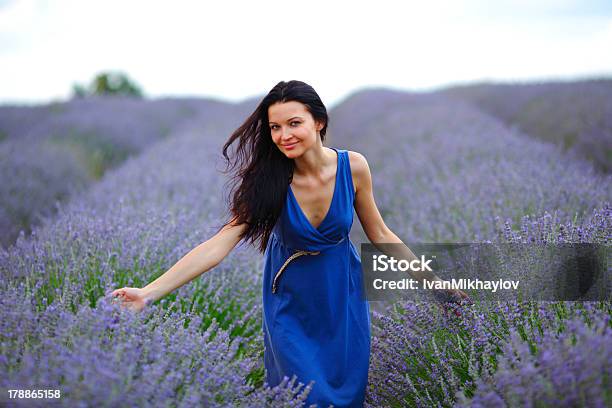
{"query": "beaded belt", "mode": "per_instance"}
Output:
(282, 268)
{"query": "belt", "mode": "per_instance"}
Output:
(295, 255)
(291, 258)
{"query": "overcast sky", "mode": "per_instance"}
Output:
(236, 49)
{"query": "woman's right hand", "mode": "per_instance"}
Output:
(132, 298)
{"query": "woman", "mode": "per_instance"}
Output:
(297, 197)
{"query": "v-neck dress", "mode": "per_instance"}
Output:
(316, 320)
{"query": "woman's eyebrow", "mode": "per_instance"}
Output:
(295, 117)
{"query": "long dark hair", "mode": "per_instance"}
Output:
(261, 172)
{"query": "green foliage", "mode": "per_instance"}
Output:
(108, 83)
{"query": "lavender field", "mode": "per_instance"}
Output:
(576, 116)
(444, 170)
(50, 153)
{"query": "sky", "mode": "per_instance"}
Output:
(233, 50)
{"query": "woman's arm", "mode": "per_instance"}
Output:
(372, 222)
(402, 252)
(378, 233)
(200, 259)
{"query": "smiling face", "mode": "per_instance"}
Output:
(293, 128)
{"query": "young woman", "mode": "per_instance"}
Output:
(297, 197)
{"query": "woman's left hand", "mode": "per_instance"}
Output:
(450, 299)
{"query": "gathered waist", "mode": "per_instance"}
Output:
(323, 247)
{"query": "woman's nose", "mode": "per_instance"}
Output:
(286, 134)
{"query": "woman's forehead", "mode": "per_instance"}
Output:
(286, 110)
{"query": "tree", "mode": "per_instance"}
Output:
(108, 83)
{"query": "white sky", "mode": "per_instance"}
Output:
(237, 49)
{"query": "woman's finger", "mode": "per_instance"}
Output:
(117, 292)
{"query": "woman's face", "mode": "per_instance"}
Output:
(293, 128)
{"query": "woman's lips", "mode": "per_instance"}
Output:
(290, 146)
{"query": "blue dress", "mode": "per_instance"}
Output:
(316, 321)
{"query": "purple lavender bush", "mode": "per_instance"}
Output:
(421, 357)
(108, 357)
(572, 115)
(570, 367)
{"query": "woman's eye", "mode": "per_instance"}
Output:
(275, 126)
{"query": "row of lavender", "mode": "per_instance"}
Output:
(446, 172)
(202, 342)
(574, 115)
(51, 152)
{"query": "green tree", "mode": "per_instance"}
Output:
(108, 83)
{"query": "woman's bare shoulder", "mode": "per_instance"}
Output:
(358, 161)
(360, 169)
